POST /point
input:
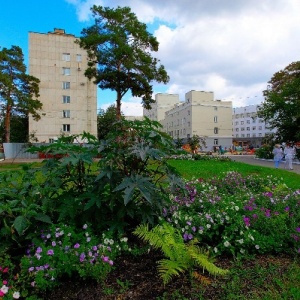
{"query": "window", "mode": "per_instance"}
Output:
(259, 134)
(66, 99)
(216, 130)
(248, 128)
(248, 121)
(254, 128)
(237, 129)
(189, 112)
(215, 119)
(242, 129)
(259, 127)
(215, 108)
(243, 135)
(66, 113)
(66, 127)
(66, 56)
(78, 57)
(66, 85)
(254, 134)
(189, 124)
(242, 122)
(66, 71)
(248, 134)
(216, 142)
(236, 123)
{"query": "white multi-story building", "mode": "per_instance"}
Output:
(198, 115)
(247, 128)
(69, 98)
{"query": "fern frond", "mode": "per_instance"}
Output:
(203, 260)
(202, 279)
(167, 269)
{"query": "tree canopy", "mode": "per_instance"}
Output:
(281, 108)
(106, 121)
(18, 90)
(120, 55)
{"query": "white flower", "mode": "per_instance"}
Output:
(208, 226)
(124, 239)
(88, 239)
(236, 208)
(16, 295)
(251, 237)
(48, 236)
(85, 226)
(241, 241)
(257, 247)
(69, 234)
(176, 221)
(242, 251)
(216, 249)
(4, 289)
(227, 218)
(226, 244)
(200, 231)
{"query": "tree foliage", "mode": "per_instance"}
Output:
(106, 121)
(18, 129)
(18, 90)
(119, 49)
(281, 108)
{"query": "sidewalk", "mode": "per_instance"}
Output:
(251, 160)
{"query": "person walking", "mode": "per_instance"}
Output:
(289, 152)
(278, 153)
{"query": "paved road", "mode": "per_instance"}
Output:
(251, 160)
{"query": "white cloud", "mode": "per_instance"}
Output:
(229, 47)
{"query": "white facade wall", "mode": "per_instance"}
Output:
(200, 115)
(69, 98)
(246, 124)
(163, 103)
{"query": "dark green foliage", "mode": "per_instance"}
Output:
(105, 121)
(128, 186)
(119, 49)
(196, 142)
(282, 103)
(18, 90)
(264, 151)
(134, 175)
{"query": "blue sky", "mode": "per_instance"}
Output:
(230, 47)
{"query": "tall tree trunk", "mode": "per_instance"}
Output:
(118, 106)
(7, 123)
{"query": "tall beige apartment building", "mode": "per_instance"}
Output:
(69, 98)
(198, 115)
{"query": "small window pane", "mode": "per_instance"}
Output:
(66, 127)
(66, 99)
(66, 85)
(66, 57)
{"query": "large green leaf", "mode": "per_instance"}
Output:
(20, 224)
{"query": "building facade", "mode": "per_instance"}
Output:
(247, 128)
(69, 98)
(198, 115)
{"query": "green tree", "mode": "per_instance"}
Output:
(119, 49)
(18, 90)
(281, 108)
(196, 142)
(19, 129)
(106, 120)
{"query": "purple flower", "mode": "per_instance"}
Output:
(82, 257)
(298, 229)
(246, 221)
(31, 269)
(50, 252)
(105, 258)
(287, 208)
(76, 246)
(39, 250)
(53, 244)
